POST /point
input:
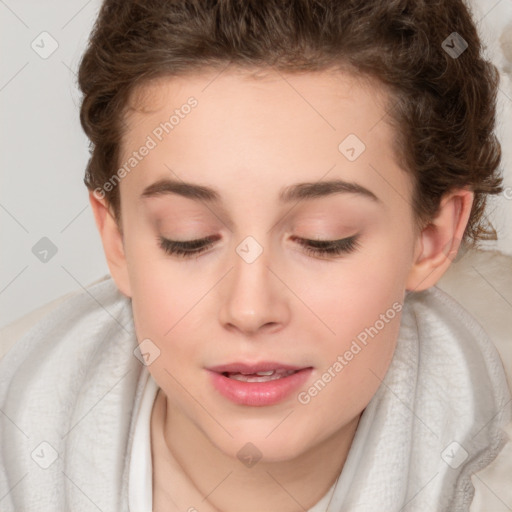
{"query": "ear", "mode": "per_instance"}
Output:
(112, 241)
(438, 243)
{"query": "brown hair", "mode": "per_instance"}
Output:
(444, 105)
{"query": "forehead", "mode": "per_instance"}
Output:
(236, 92)
(271, 128)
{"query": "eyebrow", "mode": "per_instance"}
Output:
(296, 192)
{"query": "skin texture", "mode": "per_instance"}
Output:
(248, 138)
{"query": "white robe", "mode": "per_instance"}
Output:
(70, 387)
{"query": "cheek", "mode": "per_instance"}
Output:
(354, 360)
(357, 291)
(158, 295)
(162, 304)
(167, 308)
(361, 305)
(343, 388)
(163, 312)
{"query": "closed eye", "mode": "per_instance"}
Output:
(312, 247)
(330, 247)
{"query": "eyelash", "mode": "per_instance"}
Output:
(311, 247)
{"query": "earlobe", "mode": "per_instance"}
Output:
(112, 241)
(439, 241)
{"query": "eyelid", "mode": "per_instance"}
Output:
(330, 248)
(318, 248)
(186, 248)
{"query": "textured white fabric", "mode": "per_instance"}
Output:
(71, 388)
(140, 488)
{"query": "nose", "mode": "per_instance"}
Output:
(253, 299)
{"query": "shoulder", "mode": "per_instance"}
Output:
(68, 384)
(16, 329)
(481, 281)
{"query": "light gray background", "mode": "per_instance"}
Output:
(43, 151)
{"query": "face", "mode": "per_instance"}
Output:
(256, 289)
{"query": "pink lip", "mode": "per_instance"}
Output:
(257, 394)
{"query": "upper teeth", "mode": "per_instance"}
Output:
(267, 373)
(259, 376)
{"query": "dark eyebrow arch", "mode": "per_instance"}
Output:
(296, 192)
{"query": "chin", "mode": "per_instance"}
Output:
(255, 441)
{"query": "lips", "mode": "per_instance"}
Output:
(258, 384)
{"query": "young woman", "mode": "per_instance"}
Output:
(278, 187)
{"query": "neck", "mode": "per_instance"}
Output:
(227, 485)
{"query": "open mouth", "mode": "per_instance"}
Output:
(259, 376)
(261, 384)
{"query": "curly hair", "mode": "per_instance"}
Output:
(443, 106)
